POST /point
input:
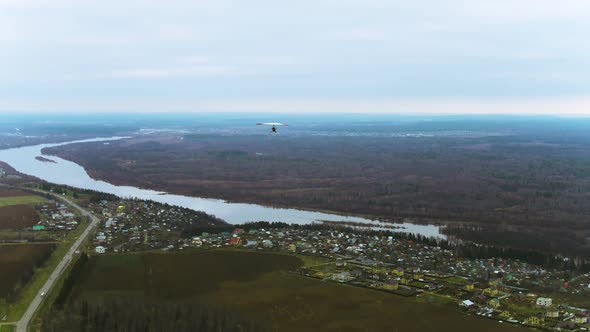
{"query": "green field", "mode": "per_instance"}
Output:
(17, 200)
(258, 286)
(7, 328)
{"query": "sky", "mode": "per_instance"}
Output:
(381, 56)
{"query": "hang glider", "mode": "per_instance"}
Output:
(273, 124)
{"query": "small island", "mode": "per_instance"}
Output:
(45, 160)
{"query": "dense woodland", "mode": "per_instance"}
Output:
(520, 181)
(130, 315)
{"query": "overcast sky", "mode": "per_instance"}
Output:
(436, 56)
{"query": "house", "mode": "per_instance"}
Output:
(494, 303)
(100, 250)
(399, 272)
(238, 231)
(467, 304)
(197, 241)
(495, 282)
(391, 284)
(267, 243)
(505, 314)
(544, 302)
(251, 244)
(581, 318)
(552, 314)
(469, 287)
(418, 276)
(342, 277)
(235, 241)
(490, 292)
(534, 321)
(39, 227)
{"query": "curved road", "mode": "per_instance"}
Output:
(23, 323)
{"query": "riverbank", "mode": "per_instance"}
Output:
(69, 173)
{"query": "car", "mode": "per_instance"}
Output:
(42, 294)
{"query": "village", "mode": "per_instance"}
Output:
(506, 290)
(55, 216)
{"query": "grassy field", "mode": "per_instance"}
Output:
(32, 288)
(18, 200)
(7, 328)
(18, 216)
(259, 286)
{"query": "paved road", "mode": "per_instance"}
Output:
(23, 323)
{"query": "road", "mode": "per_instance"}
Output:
(23, 323)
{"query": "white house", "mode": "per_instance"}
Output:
(100, 250)
(467, 303)
(544, 302)
(342, 277)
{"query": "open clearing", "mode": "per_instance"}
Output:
(18, 200)
(259, 286)
(18, 216)
(12, 193)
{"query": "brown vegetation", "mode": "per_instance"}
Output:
(18, 216)
(249, 287)
(17, 264)
(487, 180)
(12, 193)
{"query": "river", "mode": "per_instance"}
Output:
(65, 172)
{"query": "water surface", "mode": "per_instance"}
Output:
(65, 172)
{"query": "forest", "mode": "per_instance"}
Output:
(528, 180)
(133, 315)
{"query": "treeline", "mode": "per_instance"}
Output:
(70, 281)
(545, 260)
(565, 241)
(467, 250)
(136, 315)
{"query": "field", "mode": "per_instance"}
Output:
(17, 264)
(257, 286)
(12, 193)
(19, 200)
(18, 217)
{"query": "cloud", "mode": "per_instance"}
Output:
(29, 3)
(574, 106)
(309, 49)
(176, 72)
(363, 34)
(502, 11)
